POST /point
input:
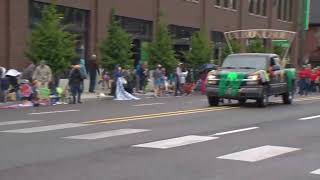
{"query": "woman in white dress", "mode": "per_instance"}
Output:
(121, 93)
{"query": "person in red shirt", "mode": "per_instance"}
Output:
(314, 77)
(318, 78)
(304, 80)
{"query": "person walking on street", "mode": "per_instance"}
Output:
(75, 81)
(42, 74)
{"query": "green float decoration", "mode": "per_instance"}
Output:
(291, 76)
(232, 81)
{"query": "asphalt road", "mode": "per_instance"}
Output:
(162, 139)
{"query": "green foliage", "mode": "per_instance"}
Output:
(161, 49)
(50, 42)
(256, 46)
(279, 50)
(236, 48)
(116, 49)
(201, 50)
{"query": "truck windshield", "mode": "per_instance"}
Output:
(245, 62)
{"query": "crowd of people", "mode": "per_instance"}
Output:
(309, 80)
(37, 85)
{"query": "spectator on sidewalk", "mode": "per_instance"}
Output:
(75, 80)
(313, 80)
(138, 75)
(104, 83)
(42, 74)
(13, 76)
(157, 74)
(93, 73)
(4, 85)
(304, 79)
(178, 82)
(141, 77)
(28, 72)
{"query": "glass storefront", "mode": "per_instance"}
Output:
(141, 32)
(75, 21)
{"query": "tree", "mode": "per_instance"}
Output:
(256, 46)
(279, 50)
(51, 42)
(236, 48)
(201, 50)
(161, 49)
(116, 49)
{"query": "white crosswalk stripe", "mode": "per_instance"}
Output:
(316, 172)
(106, 134)
(258, 154)
(45, 128)
(176, 142)
(17, 122)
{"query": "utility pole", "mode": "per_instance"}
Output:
(303, 26)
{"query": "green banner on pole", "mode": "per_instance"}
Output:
(307, 15)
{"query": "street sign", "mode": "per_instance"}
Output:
(281, 43)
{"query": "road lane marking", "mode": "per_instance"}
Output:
(176, 142)
(45, 128)
(53, 112)
(151, 104)
(316, 172)
(258, 154)
(17, 122)
(234, 131)
(309, 118)
(106, 134)
(158, 115)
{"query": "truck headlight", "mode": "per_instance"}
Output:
(253, 80)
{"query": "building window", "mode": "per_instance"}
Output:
(193, 1)
(285, 10)
(75, 20)
(264, 8)
(181, 32)
(258, 7)
(139, 29)
(251, 6)
(218, 2)
(229, 4)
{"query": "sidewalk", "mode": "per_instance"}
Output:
(85, 97)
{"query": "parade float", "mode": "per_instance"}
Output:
(256, 76)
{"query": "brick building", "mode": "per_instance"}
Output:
(90, 18)
(312, 48)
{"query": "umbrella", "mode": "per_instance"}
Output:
(2, 72)
(13, 73)
(207, 67)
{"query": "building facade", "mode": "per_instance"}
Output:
(90, 19)
(312, 48)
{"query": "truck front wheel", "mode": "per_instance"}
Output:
(213, 101)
